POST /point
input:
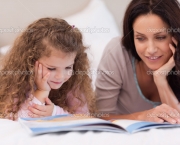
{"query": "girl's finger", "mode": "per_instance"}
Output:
(35, 111)
(39, 107)
(35, 69)
(44, 69)
(33, 115)
(39, 73)
(45, 78)
(48, 101)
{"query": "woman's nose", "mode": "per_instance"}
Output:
(151, 48)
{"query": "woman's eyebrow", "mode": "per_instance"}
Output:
(139, 33)
(154, 34)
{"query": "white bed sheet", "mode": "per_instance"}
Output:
(12, 133)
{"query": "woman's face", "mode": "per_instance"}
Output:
(151, 38)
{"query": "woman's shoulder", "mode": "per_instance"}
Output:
(116, 51)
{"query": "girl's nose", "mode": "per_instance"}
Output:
(59, 76)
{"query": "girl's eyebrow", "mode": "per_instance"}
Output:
(56, 67)
(70, 65)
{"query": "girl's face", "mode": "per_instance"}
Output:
(60, 67)
(152, 38)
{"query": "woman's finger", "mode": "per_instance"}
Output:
(175, 41)
(169, 114)
(158, 120)
(167, 118)
(173, 113)
(172, 48)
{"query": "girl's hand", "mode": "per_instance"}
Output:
(160, 114)
(40, 79)
(163, 71)
(40, 110)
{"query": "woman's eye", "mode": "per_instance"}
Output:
(140, 39)
(51, 69)
(161, 38)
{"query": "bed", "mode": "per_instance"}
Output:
(12, 133)
(95, 14)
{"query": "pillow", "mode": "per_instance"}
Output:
(4, 49)
(98, 27)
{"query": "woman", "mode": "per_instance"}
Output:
(144, 84)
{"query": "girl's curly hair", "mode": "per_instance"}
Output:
(17, 76)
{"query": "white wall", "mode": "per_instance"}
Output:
(17, 14)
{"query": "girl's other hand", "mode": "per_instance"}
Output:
(41, 110)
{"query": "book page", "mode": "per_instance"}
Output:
(135, 126)
(125, 123)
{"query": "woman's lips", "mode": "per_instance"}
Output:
(153, 58)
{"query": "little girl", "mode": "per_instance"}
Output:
(53, 50)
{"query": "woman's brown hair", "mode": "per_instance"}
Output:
(169, 12)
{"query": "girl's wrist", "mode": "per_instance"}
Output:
(41, 95)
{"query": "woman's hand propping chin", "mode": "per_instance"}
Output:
(162, 72)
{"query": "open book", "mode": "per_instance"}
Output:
(61, 123)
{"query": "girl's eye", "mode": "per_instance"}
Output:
(68, 67)
(51, 69)
(161, 38)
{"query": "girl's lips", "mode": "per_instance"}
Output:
(57, 82)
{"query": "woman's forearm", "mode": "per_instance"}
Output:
(167, 95)
(133, 116)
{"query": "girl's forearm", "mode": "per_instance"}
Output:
(41, 95)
